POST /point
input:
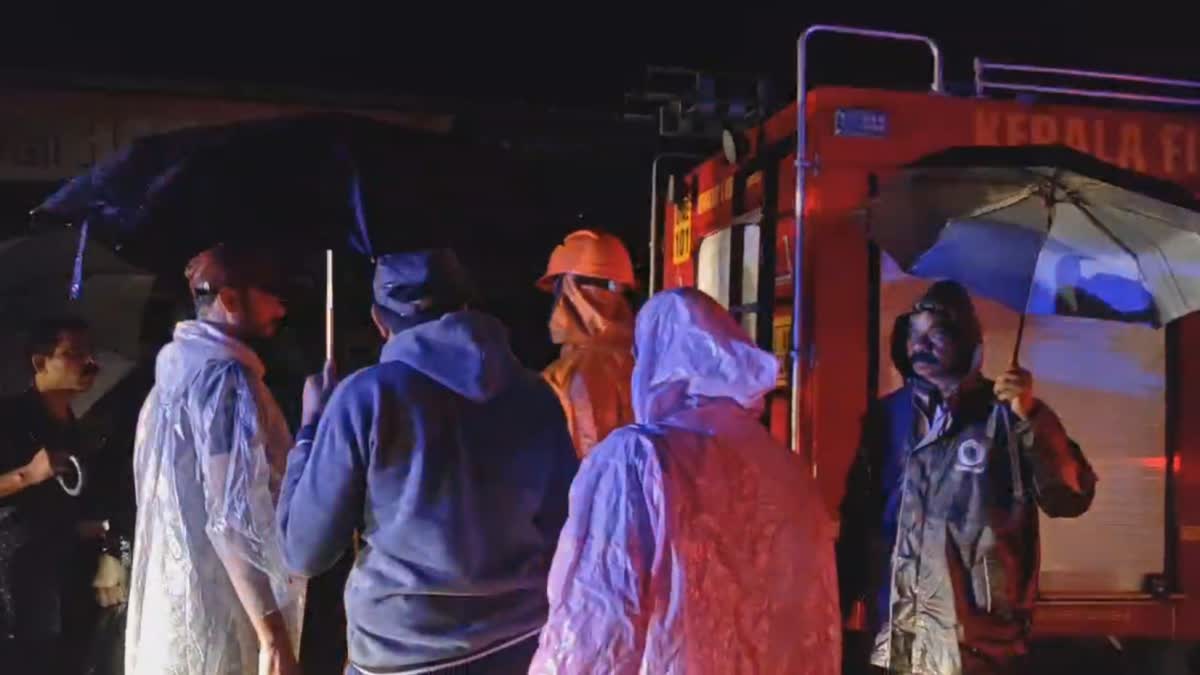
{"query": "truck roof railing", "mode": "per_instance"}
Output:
(801, 352)
(1049, 81)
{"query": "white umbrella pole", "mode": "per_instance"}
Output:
(328, 305)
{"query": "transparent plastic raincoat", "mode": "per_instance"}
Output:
(591, 376)
(210, 449)
(695, 543)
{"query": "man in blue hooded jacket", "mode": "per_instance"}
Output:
(454, 462)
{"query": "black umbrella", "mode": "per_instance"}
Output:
(306, 184)
(324, 181)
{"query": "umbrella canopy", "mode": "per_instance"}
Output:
(328, 181)
(1045, 230)
(35, 273)
(47, 258)
(305, 184)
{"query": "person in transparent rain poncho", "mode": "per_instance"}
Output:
(209, 594)
(695, 542)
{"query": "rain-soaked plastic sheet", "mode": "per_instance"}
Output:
(1107, 381)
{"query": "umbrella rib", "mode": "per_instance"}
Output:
(1161, 253)
(1166, 263)
(1100, 226)
(1136, 259)
(1153, 216)
(1015, 198)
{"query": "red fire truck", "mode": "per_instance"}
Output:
(773, 228)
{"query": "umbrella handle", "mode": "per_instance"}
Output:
(1016, 355)
(328, 305)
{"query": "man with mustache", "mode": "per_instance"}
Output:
(39, 440)
(940, 523)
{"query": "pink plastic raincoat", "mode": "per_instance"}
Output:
(696, 543)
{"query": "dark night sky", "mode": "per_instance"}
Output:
(577, 55)
(584, 54)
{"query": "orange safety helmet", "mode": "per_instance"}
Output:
(589, 253)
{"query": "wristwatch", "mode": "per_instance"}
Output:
(116, 545)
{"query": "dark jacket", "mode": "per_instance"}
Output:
(940, 530)
(456, 461)
(37, 525)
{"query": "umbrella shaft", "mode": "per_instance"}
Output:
(1016, 356)
(329, 305)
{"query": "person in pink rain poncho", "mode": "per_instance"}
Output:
(696, 543)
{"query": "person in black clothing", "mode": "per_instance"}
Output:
(39, 524)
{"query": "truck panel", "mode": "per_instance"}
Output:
(844, 297)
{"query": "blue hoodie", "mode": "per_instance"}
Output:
(455, 462)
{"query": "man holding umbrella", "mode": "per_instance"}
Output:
(939, 527)
(454, 461)
(209, 594)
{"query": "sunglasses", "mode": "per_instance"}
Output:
(587, 281)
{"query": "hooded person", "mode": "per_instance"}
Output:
(209, 592)
(454, 462)
(696, 543)
(589, 274)
(939, 525)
